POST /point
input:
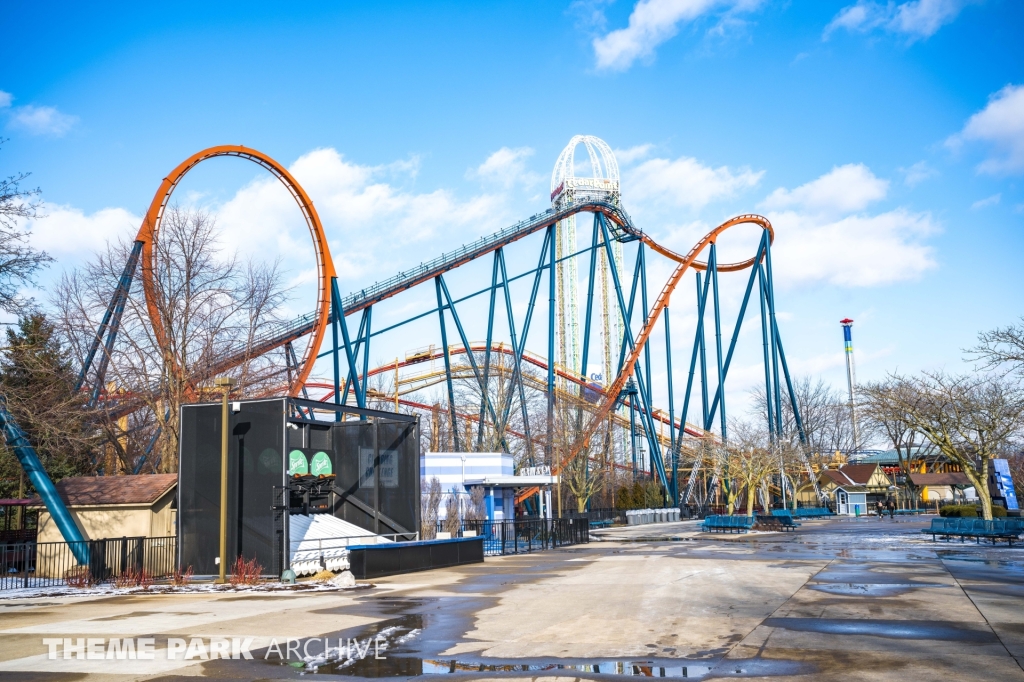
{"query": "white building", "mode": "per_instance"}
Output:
(495, 471)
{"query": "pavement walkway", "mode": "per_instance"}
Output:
(838, 600)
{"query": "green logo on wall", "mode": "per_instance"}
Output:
(297, 463)
(320, 465)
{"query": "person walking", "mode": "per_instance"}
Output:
(890, 505)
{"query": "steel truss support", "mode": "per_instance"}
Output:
(646, 415)
(109, 326)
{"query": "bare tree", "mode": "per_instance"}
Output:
(753, 458)
(894, 424)
(19, 262)
(476, 510)
(969, 419)
(453, 514)
(210, 306)
(824, 414)
(1003, 346)
(430, 504)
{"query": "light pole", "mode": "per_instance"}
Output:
(225, 383)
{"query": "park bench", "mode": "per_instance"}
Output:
(725, 523)
(812, 513)
(967, 527)
(603, 523)
(785, 519)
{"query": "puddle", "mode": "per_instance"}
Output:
(894, 629)
(870, 589)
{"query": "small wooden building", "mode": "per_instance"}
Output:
(116, 506)
(869, 478)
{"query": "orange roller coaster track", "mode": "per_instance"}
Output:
(149, 234)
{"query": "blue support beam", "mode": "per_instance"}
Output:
(487, 355)
(18, 442)
(465, 343)
(646, 416)
(551, 349)
(109, 326)
(736, 330)
(713, 271)
(447, 367)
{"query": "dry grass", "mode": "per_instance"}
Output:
(323, 576)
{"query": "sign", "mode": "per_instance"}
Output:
(320, 465)
(297, 463)
(387, 468)
(535, 471)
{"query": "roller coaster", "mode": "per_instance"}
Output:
(616, 310)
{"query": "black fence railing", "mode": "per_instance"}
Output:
(530, 535)
(47, 564)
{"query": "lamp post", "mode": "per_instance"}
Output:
(225, 383)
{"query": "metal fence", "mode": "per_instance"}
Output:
(47, 564)
(524, 536)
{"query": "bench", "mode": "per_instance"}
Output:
(812, 513)
(603, 523)
(784, 519)
(725, 523)
(908, 512)
(967, 527)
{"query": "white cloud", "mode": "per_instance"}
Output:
(628, 156)
(843, 189)
(41, 120)
(916, 19)
(856, 250)
(68, 231)
(918, 173)
(373, 227)
(987, 201)
(5, 99)
(651, 23)
(822, 234)
(684, 182)
(1001, 125)
(506, 167)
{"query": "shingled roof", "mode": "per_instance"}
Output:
(84, 491)
(851, 474)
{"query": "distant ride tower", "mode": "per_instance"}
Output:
(566, 188)
(851, 377)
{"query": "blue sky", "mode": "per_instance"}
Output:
(884, 140)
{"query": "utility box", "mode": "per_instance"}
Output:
(286, 457)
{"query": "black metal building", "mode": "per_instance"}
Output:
(292, 456)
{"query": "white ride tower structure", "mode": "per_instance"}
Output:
(566, 188)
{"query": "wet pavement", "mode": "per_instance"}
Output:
(856, 599)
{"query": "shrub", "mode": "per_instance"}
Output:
(969, 511)
(323, 576)
(246, 572)
(78, 576)
(958, 510)
(134, 577)
(182, 578)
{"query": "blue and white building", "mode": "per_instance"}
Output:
(495, 471)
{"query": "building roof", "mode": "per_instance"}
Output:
(85, 491)
(851, 474)
(954, 478)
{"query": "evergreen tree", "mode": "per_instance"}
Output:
(38, 379)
